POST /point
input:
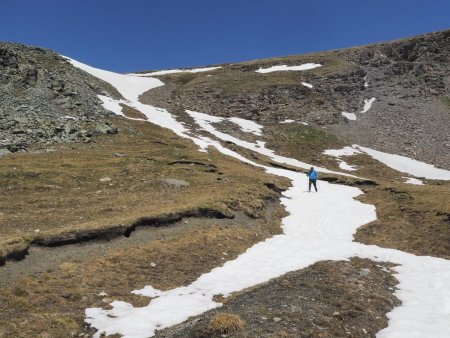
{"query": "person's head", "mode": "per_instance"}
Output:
(312, 168)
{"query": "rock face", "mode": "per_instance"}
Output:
(409, 79)
(44, 99)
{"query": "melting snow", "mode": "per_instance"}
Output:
(349, 116)
(247, 126)
(414, 181)
(346, 151)
(205, 121)
(343, 165)
(174, 71)
(407, 165)
(280, 68)
(397, 162)
(368, 104)
(366, 84)
(319, 226)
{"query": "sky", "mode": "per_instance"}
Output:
(132, 35)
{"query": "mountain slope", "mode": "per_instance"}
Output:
(409, 79)
(203, 212)
(44, 100)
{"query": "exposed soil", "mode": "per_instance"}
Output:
(40, 258)
(327, 299)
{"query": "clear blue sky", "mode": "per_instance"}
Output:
(128, 35)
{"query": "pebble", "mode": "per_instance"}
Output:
(364, 272)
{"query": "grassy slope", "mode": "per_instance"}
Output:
(35, 188)
(59, 193)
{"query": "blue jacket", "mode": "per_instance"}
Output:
(312, 174)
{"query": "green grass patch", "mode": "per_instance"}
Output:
(445, 100)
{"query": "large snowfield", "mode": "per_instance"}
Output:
(320, 226)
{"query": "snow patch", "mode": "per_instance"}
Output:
(368, 104)
(346, 151)
(205, 121)
(130, 87)
(307, 84)
(174, 71)
(305, 66)
(345, 166)
(247, 126)
(349, 116)
(397, 162)
(288, 121)
(407, 165)
(414, 181)
(366, 84)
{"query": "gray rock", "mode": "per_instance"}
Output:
(175, 182)
(51, 90)
(4, 152)
(104, 128)
(364, 272)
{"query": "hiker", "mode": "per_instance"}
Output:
(312, 175)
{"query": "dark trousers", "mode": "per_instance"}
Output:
(313, 182)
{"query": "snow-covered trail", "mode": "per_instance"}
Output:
(319, 227)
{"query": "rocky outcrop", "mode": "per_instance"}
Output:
(45, 100)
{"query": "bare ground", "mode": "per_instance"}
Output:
(327, 299)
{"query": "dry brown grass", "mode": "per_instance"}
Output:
(132, 112)
(225, 323)
(410, 218)
(60, 193)
(52, 302)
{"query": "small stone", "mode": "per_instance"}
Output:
(364, 272)
(153, 264)
(276, 319)
(4, 152)
(105, 179)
